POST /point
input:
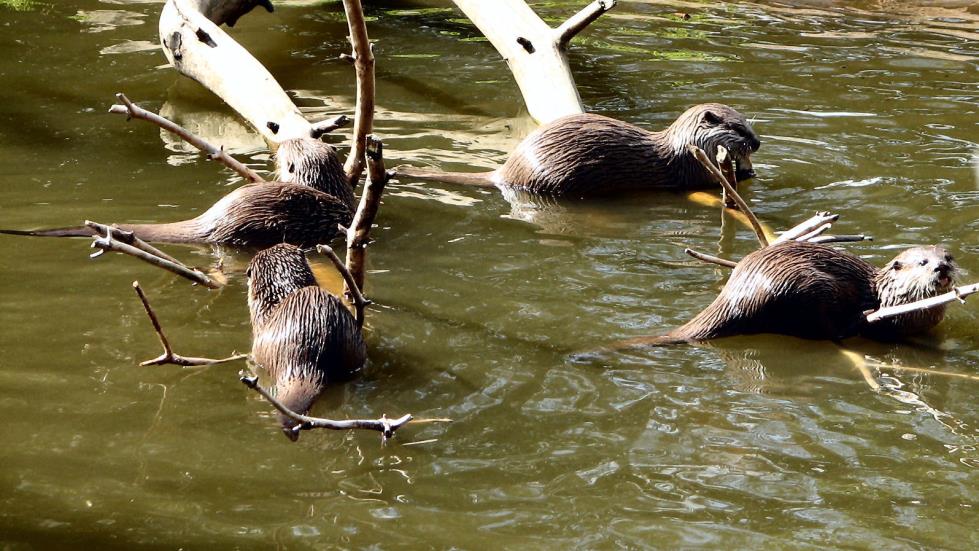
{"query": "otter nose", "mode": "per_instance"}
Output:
(753, 142)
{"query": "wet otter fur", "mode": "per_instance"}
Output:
(302, 335)
(587, 155)
(817, 292)
(304, 207)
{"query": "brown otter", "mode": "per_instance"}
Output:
(304, 336)
(588, 155)
(304, 207)
(818, 292)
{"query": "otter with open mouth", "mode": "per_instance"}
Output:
(591, 155)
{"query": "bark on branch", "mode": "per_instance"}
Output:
(385, 426)
(133, 111)
(357, 297)
(358, 235)
(536, 54)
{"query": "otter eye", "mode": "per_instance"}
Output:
(924, 262)
(292, 168)
(897, 265)
(948, 258)
(248, 271)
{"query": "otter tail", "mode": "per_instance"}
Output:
(76, 231)
(481, 179)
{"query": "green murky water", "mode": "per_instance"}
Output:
(766, 441)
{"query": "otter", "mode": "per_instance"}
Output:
(302, 335)
(817, 292)
(304, 206)
(589, 155)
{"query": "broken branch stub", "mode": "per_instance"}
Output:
(200, 50)
(536, 53)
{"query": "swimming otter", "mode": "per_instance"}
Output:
(311, 197)
(304, 336)
(817, 292)
(587, 155)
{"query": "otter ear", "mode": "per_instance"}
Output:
(711, 117)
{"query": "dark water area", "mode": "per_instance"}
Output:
(869, 109)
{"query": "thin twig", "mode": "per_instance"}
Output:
(131, 110)
(815, 233)
(168, 357)
(129, 237)
(358, 235)
(841, 238)
(577, 22)
(360, 302)
(363, 55)
(958, 293)
(385, 426)
(317, 129)
(107, 243)
(710, 258)
(807, 226)
(720, 179)
(726, 164)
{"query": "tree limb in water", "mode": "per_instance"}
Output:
(363, 59)
(958, 293)
(358, 234)
(168, 357)
(108, 243)
(703, 257)
(719, 177)
(536, 54)
(133, 111)
(385, 426)
(360, 302)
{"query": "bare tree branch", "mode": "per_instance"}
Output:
(360, 302)
(363, 55)
(107, 243)
(358, 235)
(807, 226)
(133, 111)
(168, 357)
(958, 293)
(841, 238)
(328, 125)
(722, 180)
(710, 258)
(535, 53)
(577, 22)
(128, 237)
(385, 426)
(814, 233)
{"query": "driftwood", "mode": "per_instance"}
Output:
(126, 242)
(536, 53)
(199, 49)
(385, 426)
(168, 357)
(133, 111)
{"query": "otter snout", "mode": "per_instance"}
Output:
(743, 169)
(945, 273)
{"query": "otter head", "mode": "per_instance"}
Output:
(915, 274)
(709, 125)
(273, 274)
(310, 162)
(298, 394)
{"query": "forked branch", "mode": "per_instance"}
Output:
(360, 302)
(119, 241)
(168, 357)
(385, 426)
(133, 111)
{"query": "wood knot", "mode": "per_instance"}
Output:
(527, 44)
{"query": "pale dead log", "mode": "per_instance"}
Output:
(108, 243)
(703, 257)
(536, 53)
(168, 357)
(363, 60)
(958, 293)
(719, 177)
(358, 235)
(385, 426)
(133, 111)
(200, 50)
(360, 302)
